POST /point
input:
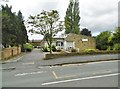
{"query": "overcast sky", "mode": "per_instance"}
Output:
(96, 15)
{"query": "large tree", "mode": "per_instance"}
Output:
(86, 32)
(24, 38)
(116, 36)
(12, 28)
(47, 24)
(72, 18)
(103, 40)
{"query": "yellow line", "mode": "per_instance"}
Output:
(55, 75)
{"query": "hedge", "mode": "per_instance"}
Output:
(52, 56)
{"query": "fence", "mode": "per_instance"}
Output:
(10, 52)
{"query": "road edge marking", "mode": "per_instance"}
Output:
(86, 78)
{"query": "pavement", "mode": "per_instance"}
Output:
(80, 59)
(30, 71)
(37, 57)
(97, 74)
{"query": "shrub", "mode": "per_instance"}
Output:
(73, 50)
(54, 48)
(90, 50)
(46, 49)
(116, 46)
(28, 47)
(58, 50)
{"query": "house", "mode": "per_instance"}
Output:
(35, 43)
(73, 41)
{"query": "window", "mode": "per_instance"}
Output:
(59, 43)
(62, 44)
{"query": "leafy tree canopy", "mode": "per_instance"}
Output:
(86, 32)
(47, 24)
(13, 28)
(72, 18)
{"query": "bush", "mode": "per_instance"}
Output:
(58, 50)
(54, 48)
(90, 50)
(116, 46)
(73, 50)
(46, 49)
(28, 47)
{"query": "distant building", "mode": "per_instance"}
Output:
(36, 43)
(73, 41)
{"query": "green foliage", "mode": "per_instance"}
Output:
(90, 50)
(47, 49)
(13, 29)
(86, 32)
(47, 24)
(54, 48)
(72, 18)
(73, 50)
(116, 36)
(28, 47)
(102, 40)
(108, 41)
(116, 46)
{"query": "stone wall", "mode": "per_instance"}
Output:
(10, 52)
(82, 45)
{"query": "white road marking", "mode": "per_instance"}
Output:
(19, 58)
(14, 59)
(86, 78)
(22, 74)
(29, 63)
(71, 65)
(40, 67)
(55, 75)
(68, 76)
(102, 72)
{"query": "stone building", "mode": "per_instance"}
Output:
(82, 42)
(73, 41)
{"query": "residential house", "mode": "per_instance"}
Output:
(73, 41)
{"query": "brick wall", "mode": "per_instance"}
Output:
(10, 52)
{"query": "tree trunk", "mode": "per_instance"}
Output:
(50, 46)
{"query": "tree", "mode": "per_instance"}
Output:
(8, 30)
(24, 38)
(47, 24)
(76, 18)
(116, 39)
(13, 29)
(116, 36)
(102, 40)
(86, 32)
(72, 18)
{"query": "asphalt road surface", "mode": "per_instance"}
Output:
(28, 72)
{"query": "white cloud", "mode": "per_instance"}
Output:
(96, 15)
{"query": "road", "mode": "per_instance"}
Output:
(28, 72)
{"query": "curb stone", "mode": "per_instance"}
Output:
(80, 62)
